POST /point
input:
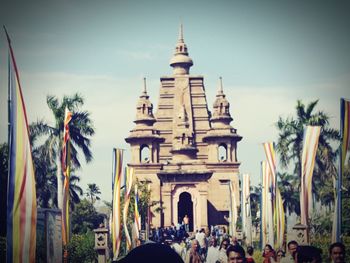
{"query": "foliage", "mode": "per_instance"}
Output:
(321, 224)
(288, 185)
(47, 156)
(81, 248)
(92, 192)
(3, 186)
(258, 256)
(143, 204)
(85, 218)
(255, 194)
(290, 144)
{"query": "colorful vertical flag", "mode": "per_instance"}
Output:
(128, 186)
(311, 136)
(271, 161)
(345, 146)
(264, 201)
(246, 215)
(235, 202)
(137, 217)
(345, 129)
(65, 161)
(279, 218)
(116, 220)
(21, 196)
(276, 199)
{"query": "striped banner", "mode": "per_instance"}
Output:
(137, 217)
(21, 195)
(345, 145)
(271, 161)
(345, 130)
(116, 222)
(235, 202)
(128, 184)
(246, 215)
(279, 218)
(264, 202)
(66, 173)
(310, 145)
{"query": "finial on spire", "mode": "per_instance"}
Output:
(221, 90)
(144, 86)
(181, 34)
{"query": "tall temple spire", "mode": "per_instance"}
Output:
(181, 62)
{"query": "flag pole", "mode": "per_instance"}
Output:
(340, 174)
(9, 128)
(261, 208)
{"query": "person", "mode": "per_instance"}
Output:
(213, 251)
(269, 254)
(222, 250)
(193, 255)
(200, 236)
(235, 254)
(292, 247)
(250, 252)
(337, 252)
(306, 254)
(279, 255)
(152, 252)
(186, 221)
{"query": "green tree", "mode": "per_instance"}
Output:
(288, 185)
(85, 217)
(80, 127)
(290, 144)
(92, 192)
(81, 248)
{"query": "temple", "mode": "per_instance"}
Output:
(186, 153)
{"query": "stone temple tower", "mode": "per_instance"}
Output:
(186, 153)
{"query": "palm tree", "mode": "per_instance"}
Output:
(80, 127)
(288, 186)
(290, 143)
(92, 192)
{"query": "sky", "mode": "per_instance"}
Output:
(269, 54)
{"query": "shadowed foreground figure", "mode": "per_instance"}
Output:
(152, 252)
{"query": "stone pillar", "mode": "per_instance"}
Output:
(203, 205)
(101, 243)
(301, 234)
(166, 198)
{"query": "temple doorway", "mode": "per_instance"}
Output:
(185, 207)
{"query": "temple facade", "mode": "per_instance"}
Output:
(187, 153)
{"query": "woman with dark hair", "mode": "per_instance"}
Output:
(250, 252)
(222, 250)
(269, 254)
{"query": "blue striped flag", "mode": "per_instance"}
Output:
(21, 196)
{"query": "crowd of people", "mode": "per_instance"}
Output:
(217, 247)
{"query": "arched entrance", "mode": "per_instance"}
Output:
(185, 207)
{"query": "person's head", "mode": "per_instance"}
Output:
(250, 250)
(224, 243)
(235, 254)
(308, 254)
(213, 242)
(279, 254)
(268, 249)
(292, 246)
(337, 252)
(195, 245)
(152, 252)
